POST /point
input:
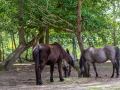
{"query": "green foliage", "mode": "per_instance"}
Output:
(99, 21)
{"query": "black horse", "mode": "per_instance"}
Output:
(99, 55)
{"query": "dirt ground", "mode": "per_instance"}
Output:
(22, 77)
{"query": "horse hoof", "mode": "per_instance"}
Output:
(80, 75)
(111, 77)
(88, 76)
(40, 82)
(61, 79)
(66, 76)
(97, 76)
(116, 76)
(51, 80)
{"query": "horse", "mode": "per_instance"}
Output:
(49, 54)
(66, 66)
(99, 55)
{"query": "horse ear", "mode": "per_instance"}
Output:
(49, 51)
(67, 51)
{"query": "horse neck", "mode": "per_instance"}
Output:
(66, 56)
(72, 56)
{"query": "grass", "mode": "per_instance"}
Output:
(1, 71)
(95, 89)
(71, 80)
(22, 72)
(32, 63)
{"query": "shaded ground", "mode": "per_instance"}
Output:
(22, 77)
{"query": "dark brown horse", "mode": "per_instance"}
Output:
(49, 54)
(99, 55)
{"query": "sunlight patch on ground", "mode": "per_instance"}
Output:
(32, 63)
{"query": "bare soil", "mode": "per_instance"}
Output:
(22, 77)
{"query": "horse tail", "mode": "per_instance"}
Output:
(117, 57)
(81, 63)
(36, 59)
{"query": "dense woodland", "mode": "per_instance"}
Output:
(25, 23)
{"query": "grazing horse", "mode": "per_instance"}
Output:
(66, 66)
(99, 55)
(49, 54)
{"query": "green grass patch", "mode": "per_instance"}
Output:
(1, 71)
(22, 72)
(95, 89)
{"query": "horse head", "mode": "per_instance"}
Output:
(69, 59)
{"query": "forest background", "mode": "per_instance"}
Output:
(25, 23)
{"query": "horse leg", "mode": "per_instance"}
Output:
(40, 68)
(113, 69)
(95, 69)
(65, 71)
(117, 61)
(51, 72)
(117, 70)
(36, 73)
(69, 71)
(88, 64)
(59, 70)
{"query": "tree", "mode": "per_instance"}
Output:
(57, 14)
(10, 60)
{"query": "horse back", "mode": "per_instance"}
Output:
(110, 51)
(55, 52)
(44, 51)
(100, 55)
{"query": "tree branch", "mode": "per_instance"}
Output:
(34, 40)
(48, 23)
(53, 16)
(83, 19)
(82, 1)
(64, 29)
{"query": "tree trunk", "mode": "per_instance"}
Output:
(11, 59)
(78, 31)
(14, 41)
(0, 46)
(2, 51)
(21, 29)
(0, 56)
(114, 29)
(42, 38)
(26, 56)
(47, 36)
(114, 36)
(79, 24)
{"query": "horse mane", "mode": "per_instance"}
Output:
(61, 48)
